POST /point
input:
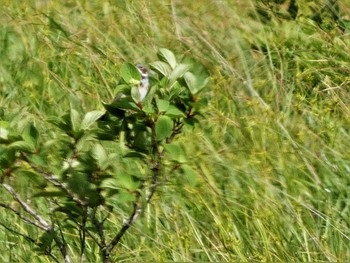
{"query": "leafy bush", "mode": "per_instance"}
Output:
(72, 167)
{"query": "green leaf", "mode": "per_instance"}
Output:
(79, 183)
(164, 127)
(148, 108)
(138, 155)
(21, 146)
(35, 178)
(31, 135)
(110, 183)
(46, 240)
(123, 181)
(122, 104)
(7, 158)
(161, 67)
(3, 134)
(99, 154)
(75, 120)
(130, 74)
(174, 112)
(175, 153)
(62, 123)
(135, 94)
(191, 82)
(167, 56)
(176, 90)
(123, 196)
(128, 182)
(162, 105)
(178, 72)
(90, 118)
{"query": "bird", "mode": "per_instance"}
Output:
(144, 84)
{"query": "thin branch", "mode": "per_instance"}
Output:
(99, 227)
(18, 233)
(62, 244)
(55, 181)
(22, 217)
(44, 225)
(15, 232)
(134, 215)
(82, 234)
(137, 210)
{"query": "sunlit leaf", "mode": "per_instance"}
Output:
(191, 82)
(110, 183)
(3, 134)
(31, 135)
(135, 94)
(130, 74)
(90, 118)
(178, 72)
(167, 56)
(161, 67)
(21, 146)
(99, 154)
(123, 181)
(75, 120)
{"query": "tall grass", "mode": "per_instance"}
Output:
(270, 158)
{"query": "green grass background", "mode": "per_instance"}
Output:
(270, 160)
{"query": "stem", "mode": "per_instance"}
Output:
(42, 223)
(100, 230)
(54, 180)
(61, 243)
(22, 217)
(82, 234)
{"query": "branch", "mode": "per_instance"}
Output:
(22, 217)
(18, 233)
(135, 214)
(54, 180)
(99, 227)
(82, 235)
(43, 224)
(137, 210)
(62, 245)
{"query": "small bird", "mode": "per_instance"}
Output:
(144, 84)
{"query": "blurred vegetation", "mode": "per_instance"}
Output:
(267, 166)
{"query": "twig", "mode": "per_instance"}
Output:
(43, 224)
(18, 233)
(100, 230)
(82, 234)
(137, 210)
(62, 245)
(22, 217)
(53, 179)
(135, 214)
